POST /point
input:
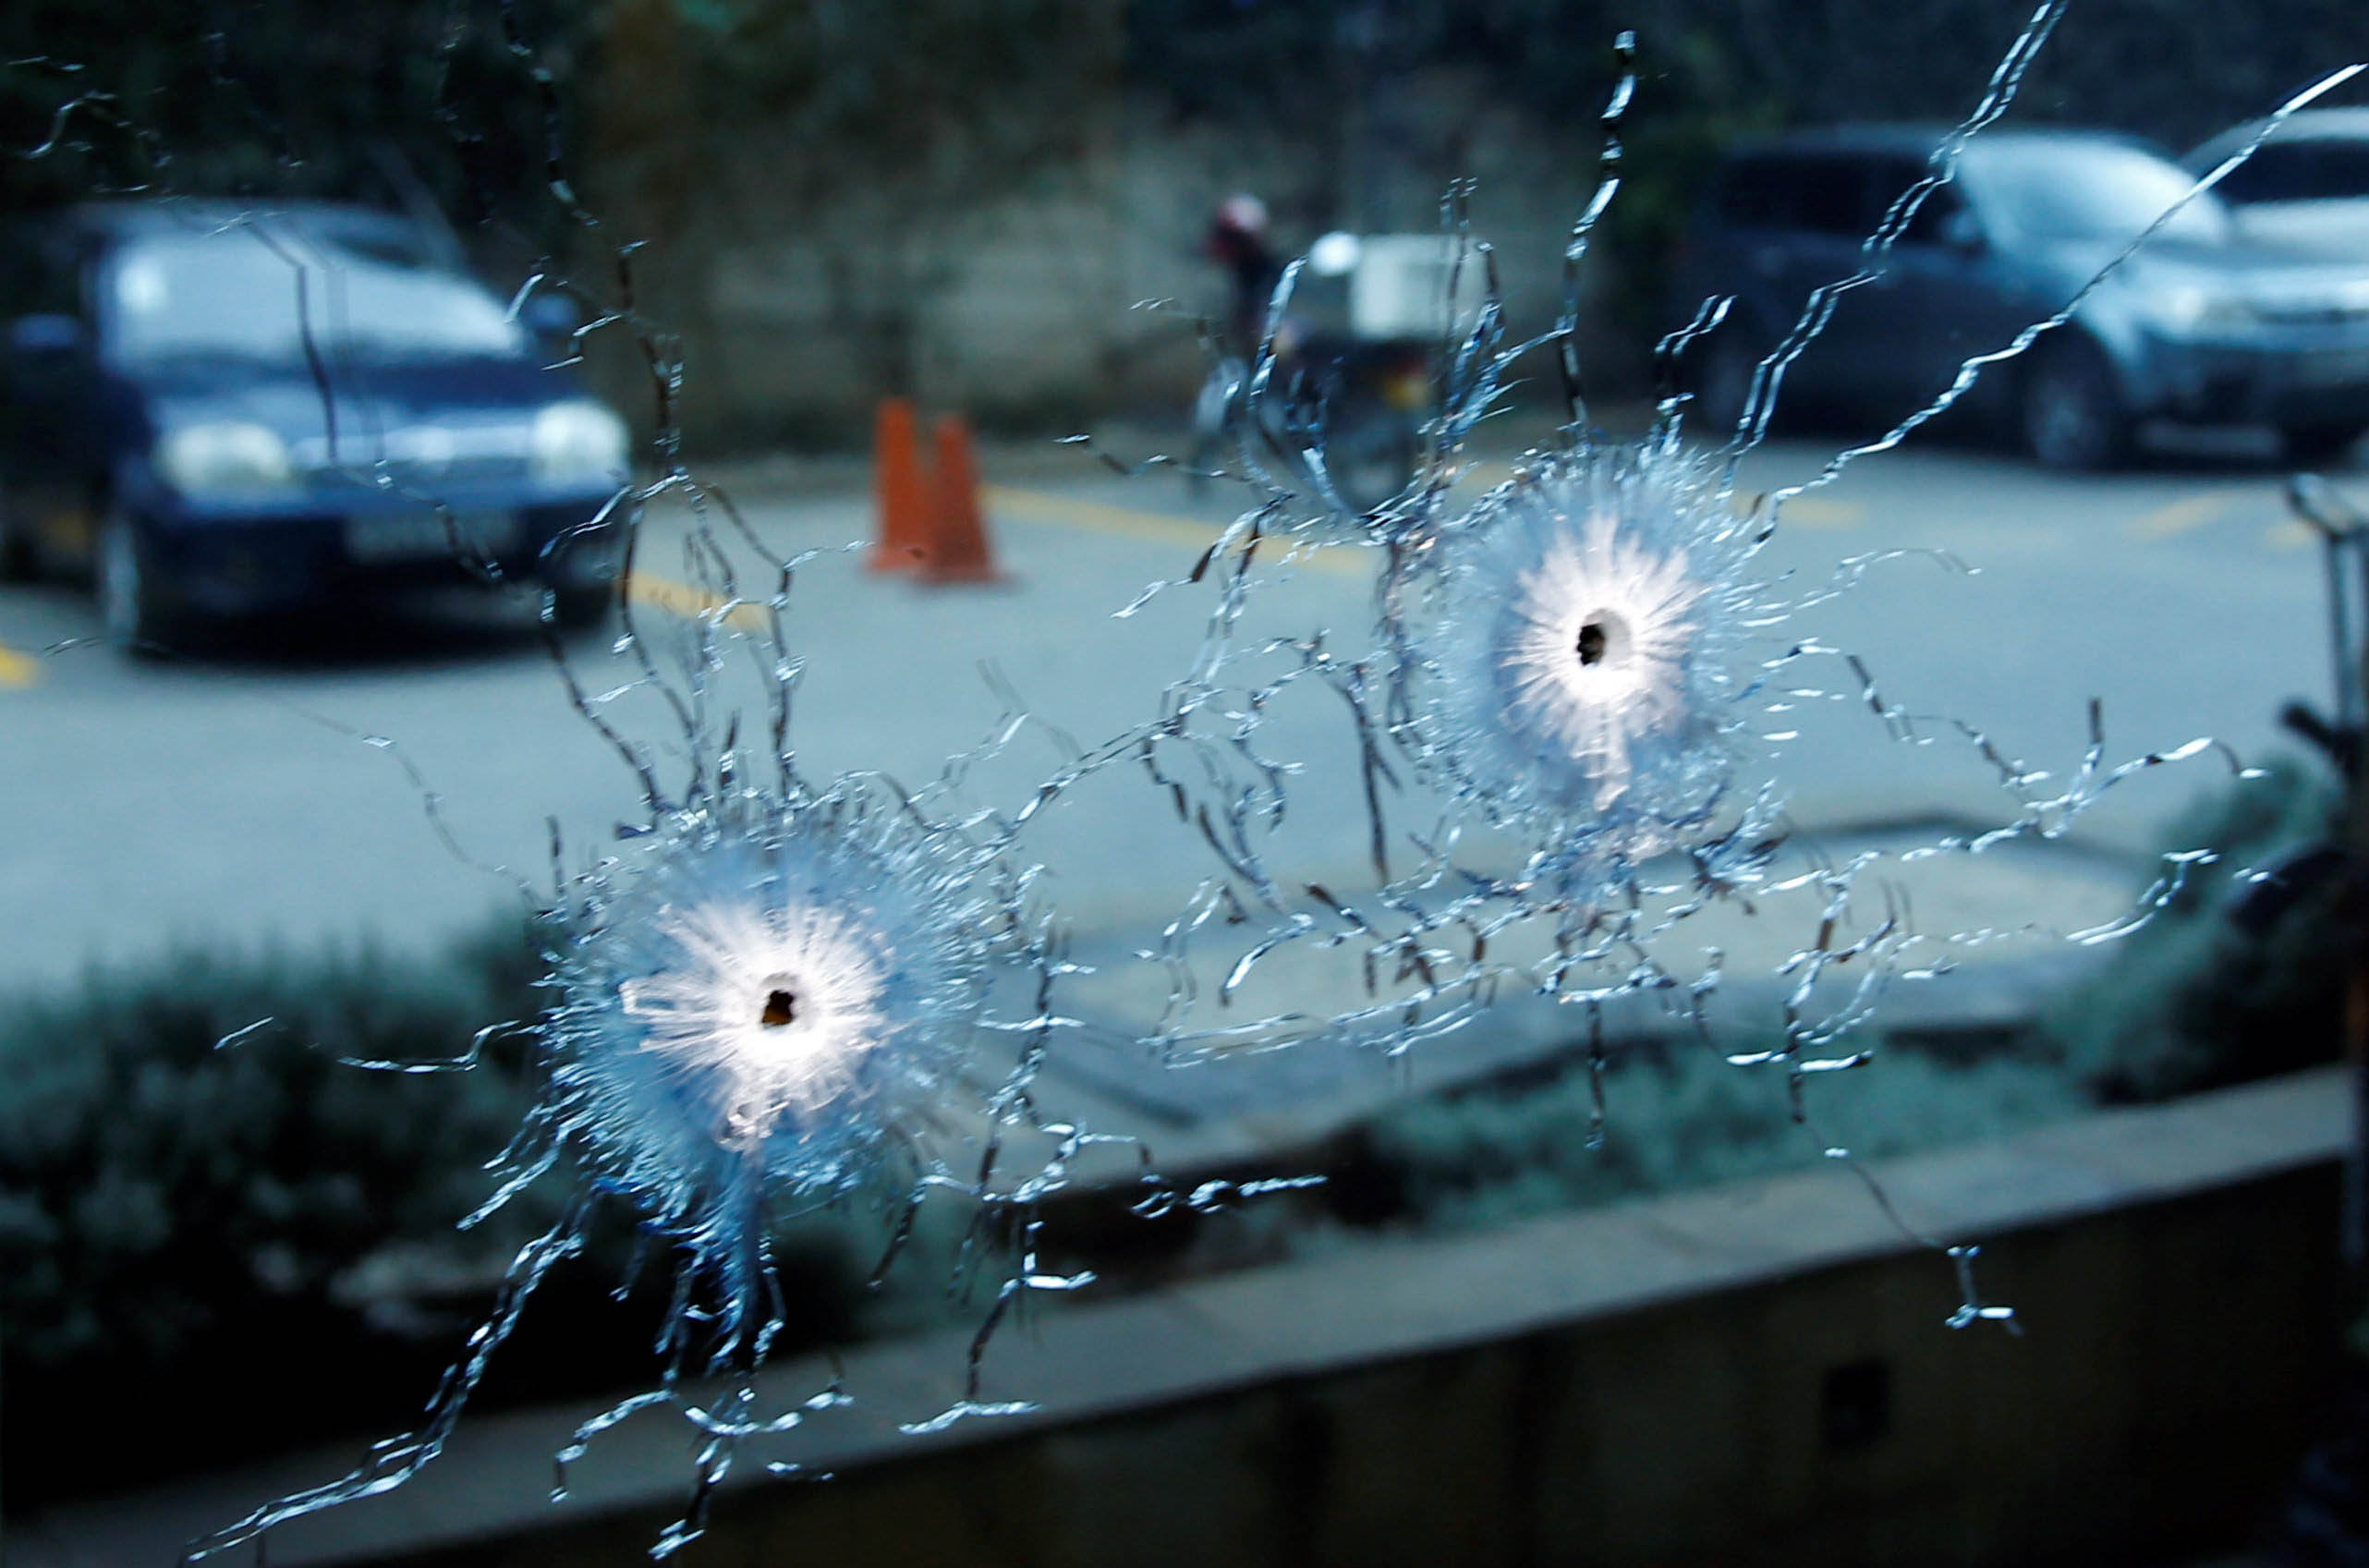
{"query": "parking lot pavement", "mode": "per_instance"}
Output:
(1998, 919)
(243, 799)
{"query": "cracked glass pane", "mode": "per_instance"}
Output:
(1428, 751)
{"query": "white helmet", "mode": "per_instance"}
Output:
(1242, 214)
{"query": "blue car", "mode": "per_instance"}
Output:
(210, 411)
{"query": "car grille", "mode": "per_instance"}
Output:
(2307, 312)
(402, 472)
(420, 455)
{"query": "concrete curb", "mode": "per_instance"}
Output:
(1378, 1304)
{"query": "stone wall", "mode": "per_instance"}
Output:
(1023, 311)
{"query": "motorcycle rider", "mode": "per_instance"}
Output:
(1332, 395)
(1237, 240)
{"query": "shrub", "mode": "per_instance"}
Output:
(2194, 1000)
(247, 1226)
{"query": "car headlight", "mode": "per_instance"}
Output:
(579, 440)
(224, 456)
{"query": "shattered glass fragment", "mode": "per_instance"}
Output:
(773, 996)
(761, 1005)
(1573, 658)
(1569, 713)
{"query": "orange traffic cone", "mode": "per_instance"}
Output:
(896, 490)
(957, 549)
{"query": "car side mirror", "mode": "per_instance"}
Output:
(1963, 232)
(46, 336)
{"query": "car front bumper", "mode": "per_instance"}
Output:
(2286, 379)
(256, 556)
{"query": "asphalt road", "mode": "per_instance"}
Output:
(240, 799)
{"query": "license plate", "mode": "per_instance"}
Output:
(425, 536)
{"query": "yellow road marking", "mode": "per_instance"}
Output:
(1805, 511)
(680, 599)
(16, 669)
(1809, 511)
(2184, 515)
(1820, 512)
(1126, 522)
(1167, 527)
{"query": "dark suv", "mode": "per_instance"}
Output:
(2306, 185)
(2201, 326)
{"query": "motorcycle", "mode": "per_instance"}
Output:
(1349, 388)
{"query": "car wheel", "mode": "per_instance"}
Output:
(18, 563)
(130, 611)
(2321, 442)
(2072, 413)
(582, 607)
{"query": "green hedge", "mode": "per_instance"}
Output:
(245, 1243)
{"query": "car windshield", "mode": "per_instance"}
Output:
(2324, 170)
(240, 293)
(2059, 192)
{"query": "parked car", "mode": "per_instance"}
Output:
(2307, 186)
(2202, 324)
(210, 411)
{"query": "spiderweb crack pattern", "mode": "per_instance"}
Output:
(1576, 689)
(775, 992)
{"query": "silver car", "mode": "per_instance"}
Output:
(2204, 324)
(2307, 185)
